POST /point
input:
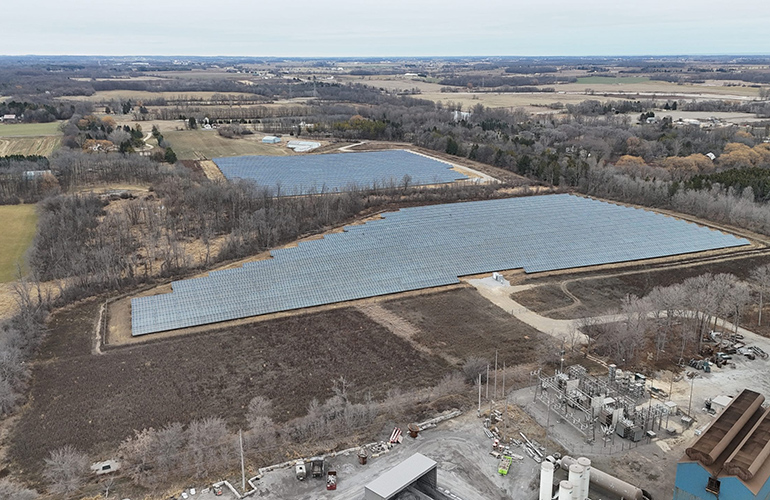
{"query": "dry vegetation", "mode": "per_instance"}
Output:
(42, 146)
(95, 401)
(19, 225)
(599, 294)
(462, 324)
(198, 144)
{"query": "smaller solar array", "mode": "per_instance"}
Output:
(424, 247)
(296, 175)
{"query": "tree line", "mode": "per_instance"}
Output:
(676, 319)
(202, 449)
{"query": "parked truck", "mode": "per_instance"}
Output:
(317, 466)
(331, 480)
(505, 465)
(300, 471)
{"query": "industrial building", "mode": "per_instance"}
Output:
(271, 139)
(416, 475)
(729, 460)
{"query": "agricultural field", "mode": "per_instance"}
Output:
(535, 102)
(19, 224)
(587, 87)
(42, 146)
(646, 88)
(613, 80)
(197, 144)
(29, 129)
(29, 138)
(139, 95)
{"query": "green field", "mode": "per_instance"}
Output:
(29, 129)
(19, 223)
(195, 144)
(613, 79)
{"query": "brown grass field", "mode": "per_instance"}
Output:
(461, 323)
(138, 95)
(19, 224)
(602, 293)
(42, 146)
(193, 144)
(95, 401)
(566, 93)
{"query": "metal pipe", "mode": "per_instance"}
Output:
(607, 482)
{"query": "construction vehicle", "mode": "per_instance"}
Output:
(300, 471)
(317, 466)
(331, 480)
(505, 465)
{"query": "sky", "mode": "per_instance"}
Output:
(348, 28)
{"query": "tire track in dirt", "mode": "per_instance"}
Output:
(399, 327)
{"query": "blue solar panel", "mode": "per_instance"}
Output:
(295, 175)
(424, 247)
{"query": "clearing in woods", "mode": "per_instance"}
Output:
(19, 223)
(195, 144)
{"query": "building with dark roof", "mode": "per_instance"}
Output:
(730, 459)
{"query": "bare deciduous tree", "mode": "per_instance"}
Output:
(65, 470)
(11, 491)
(761, 278)
(474, 367)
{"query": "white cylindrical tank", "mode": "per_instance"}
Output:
(565, 490)
(576, 478)
(607, 482)
(546, 480)
(584, 486)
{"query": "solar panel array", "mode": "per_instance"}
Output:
(424, 247)
(298, 175)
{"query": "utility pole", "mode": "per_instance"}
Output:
(479, 395)
(504, 379)
(495, 373)
(692, 386)
(243, 467)
(487, 381)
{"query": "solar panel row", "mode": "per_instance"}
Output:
(297, 175)
(423, 247)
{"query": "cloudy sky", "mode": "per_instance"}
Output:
(385, 28)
